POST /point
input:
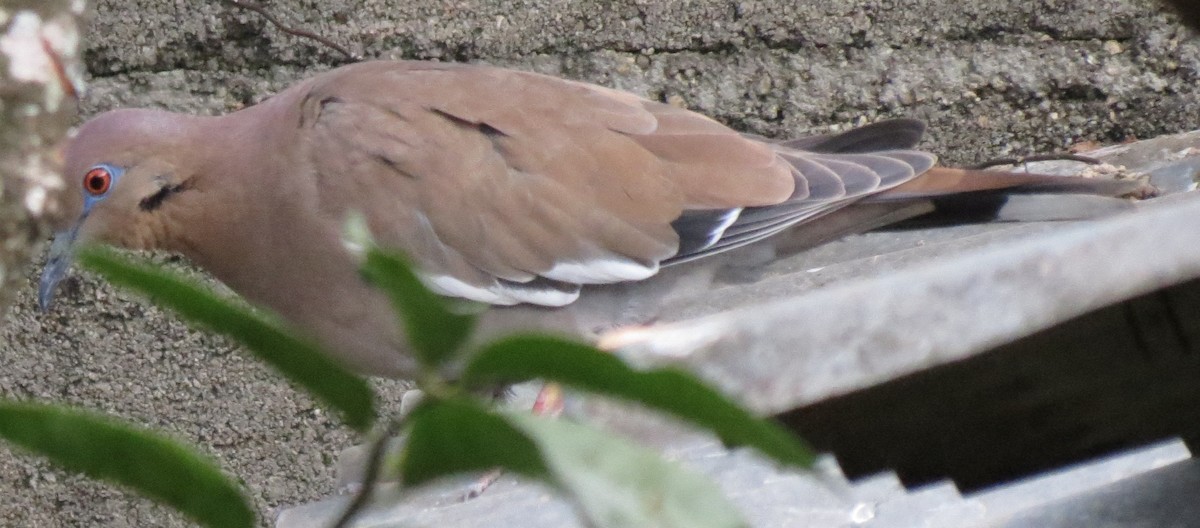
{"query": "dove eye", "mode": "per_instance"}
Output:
(97, 181)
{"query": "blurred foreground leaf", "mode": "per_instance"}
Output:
(525, 357)
(152, 464)
(448, 437)
(617, 483)
(435, 330)
(614, 483)
(298, 360)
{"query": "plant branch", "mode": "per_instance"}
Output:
(370, 476)
(302, 33)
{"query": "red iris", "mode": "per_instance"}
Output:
(97, 181)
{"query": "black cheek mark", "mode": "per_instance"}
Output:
(154, 201)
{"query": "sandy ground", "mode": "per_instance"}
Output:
(995, 78)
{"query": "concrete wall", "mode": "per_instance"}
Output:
(993, 78)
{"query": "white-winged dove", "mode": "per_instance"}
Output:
(504, 187)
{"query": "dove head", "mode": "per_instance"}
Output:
(124, 170)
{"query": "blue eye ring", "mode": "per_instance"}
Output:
(97, 181)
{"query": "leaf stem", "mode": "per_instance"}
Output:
(370, 475)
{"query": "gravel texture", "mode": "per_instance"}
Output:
(992, 78)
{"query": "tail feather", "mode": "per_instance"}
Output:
(868, 178)
(974, 196)
(946, 181)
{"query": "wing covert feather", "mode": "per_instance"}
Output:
(500, 179)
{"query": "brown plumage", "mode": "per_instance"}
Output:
(503, 187)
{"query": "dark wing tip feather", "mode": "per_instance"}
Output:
(706, 232)
(891, 134)
(698, 229)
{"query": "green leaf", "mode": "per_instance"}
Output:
(434, 329)
(448, 437)
(298, 360)
(154, 465)
(619, 484)
(521, 358)
(614, 482)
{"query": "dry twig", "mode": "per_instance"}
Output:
(262, 11)
(370, 476)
